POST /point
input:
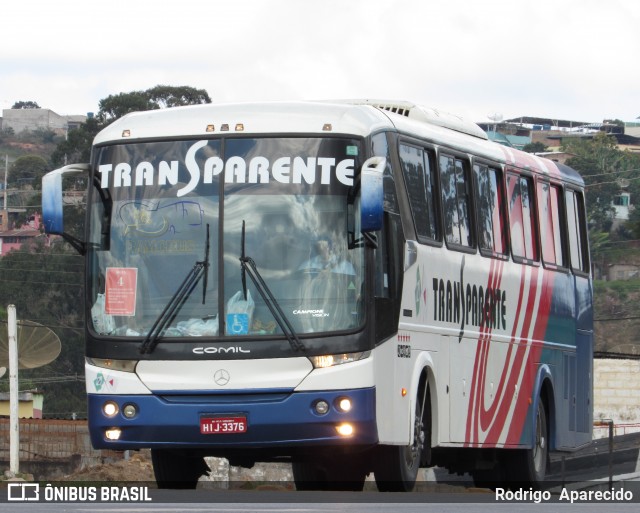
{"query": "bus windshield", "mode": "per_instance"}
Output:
(159, 208)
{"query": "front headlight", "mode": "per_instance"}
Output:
(119, 365)
(331, 360)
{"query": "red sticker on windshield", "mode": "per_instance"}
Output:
(121, 287)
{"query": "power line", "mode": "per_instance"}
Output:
(61, 379)
(613, 319)
(614, 181)
(52, 326)
(612, 173)
(40, 271)
(42, 282)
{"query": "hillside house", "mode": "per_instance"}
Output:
(29, 404)
(14, 238)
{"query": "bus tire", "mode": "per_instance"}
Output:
(175, 470)
(397, 466)
(308, 476)
(528, 467)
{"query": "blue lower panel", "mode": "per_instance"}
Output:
(285, 420)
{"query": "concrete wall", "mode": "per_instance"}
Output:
(616, 391)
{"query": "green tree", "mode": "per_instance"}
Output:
(535, 147)
(602, 165)
(25, 105)
(77, 146)
(27, 171)
(115, 106)
(45, 283)
(158, 97)
(162, 96)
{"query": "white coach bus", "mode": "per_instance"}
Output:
(356, 287)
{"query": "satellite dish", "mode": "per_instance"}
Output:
(2, 371)
(623, 183)
(37, 345)
(496, 117)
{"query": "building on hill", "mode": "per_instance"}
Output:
(518, 132)
(20, 120)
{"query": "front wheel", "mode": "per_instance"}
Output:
(176, 470)
(397, 466)
(333, 473)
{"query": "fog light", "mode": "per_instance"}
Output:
(113, 433)
(344, 404)
(110, 408)
(129, 411)
(322, 407)
(344, 429)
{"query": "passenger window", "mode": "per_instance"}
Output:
(419, 178)
(576, 224)
(551, 232)
(490, 210)
(522, 222)
(456, 201)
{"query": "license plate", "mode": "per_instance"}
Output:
(223, 425)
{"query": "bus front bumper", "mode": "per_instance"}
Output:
(275, 419)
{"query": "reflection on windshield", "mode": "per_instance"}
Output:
(302, 255)
(296, 232)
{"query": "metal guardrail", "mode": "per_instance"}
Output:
(608, 423)
(604, 451)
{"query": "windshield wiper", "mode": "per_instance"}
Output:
(249, 267)
(166, 317)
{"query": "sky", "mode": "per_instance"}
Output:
(560, 59)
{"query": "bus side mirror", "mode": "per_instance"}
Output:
(372, 194)
(52, 201)
(52, 216)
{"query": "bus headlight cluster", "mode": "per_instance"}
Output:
(111, 409)
(113, 433)
(331, 360)
(341, 404)
(344, 404)
(345, 429)
(322, 407)
(129, 411)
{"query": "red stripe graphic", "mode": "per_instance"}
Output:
(508, 410)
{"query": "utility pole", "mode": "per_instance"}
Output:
(6, 172)
(5, 210)
(14, 429)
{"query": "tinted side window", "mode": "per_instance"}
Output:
(456, 201)
(551, 232)
(490, 210)
(576, 224)
(522, 223)
(418, 175)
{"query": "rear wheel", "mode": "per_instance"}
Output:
(528, 467)
(397, 466)
(176, 470)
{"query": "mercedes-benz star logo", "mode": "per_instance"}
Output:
(221, 377)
